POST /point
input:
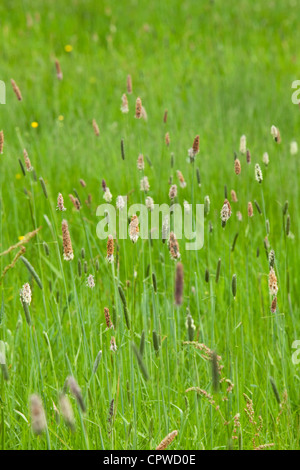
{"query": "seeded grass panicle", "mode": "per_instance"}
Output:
(16, 90)
(96, 128)
(138, 108)
(134, 229)
(76, 392)
(237, 166)
(38, 417)
(67, 244)
(129, 84)
(173, 246)
(67, 412)
(28, 165)
(124, 105)
(179, 284)
(59, 73)
(60, 202)
(167, 440)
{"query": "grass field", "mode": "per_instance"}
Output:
(222, 70)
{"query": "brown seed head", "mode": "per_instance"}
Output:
(179, 284)
(76, 392)
(140, 162)
(59, 73)
(274, 305)
(27, 161)
(60, 202)
(107, 318)
(173, 246)
(273, 282)
(181, 179)
(228, 205)
(165, 116)
(129, 84)
(237, 166)
(138, 108)
(167, 139)
(250, 209)
(67, 244)
(16, 90)
(233, 196)
(167, 440)
(196, 144)
(110, 248)
(248, 156)
(96, 128)
(75, 202)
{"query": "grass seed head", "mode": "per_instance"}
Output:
(124, 105)
(266, 159)
(28, 165)
(25, 294)
(167, 139)
(275, 134)
(167, 440)
(113, 346)
(134, 229)
(38, 417)
(67, 244)
(179, 284)
(59, 73)
(248, 157)
(96, 128)
(250, 209)
(173, 246)
(273, 286)
(107, 318)
(165, 116)
(258, 173)
(129, 84)
(274, 305)
(237, 166)
(140, 162)
(110, 249)
(16, 90)
(60, 202)
(234, 285)
(144, 184)
(181, 179)
(233, 196)
(138, 108)
(67, 411)
(173, 192)
(243, 144)
(76, 392)
(90, 282)
(225, 212)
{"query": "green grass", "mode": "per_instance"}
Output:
(222, 69)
